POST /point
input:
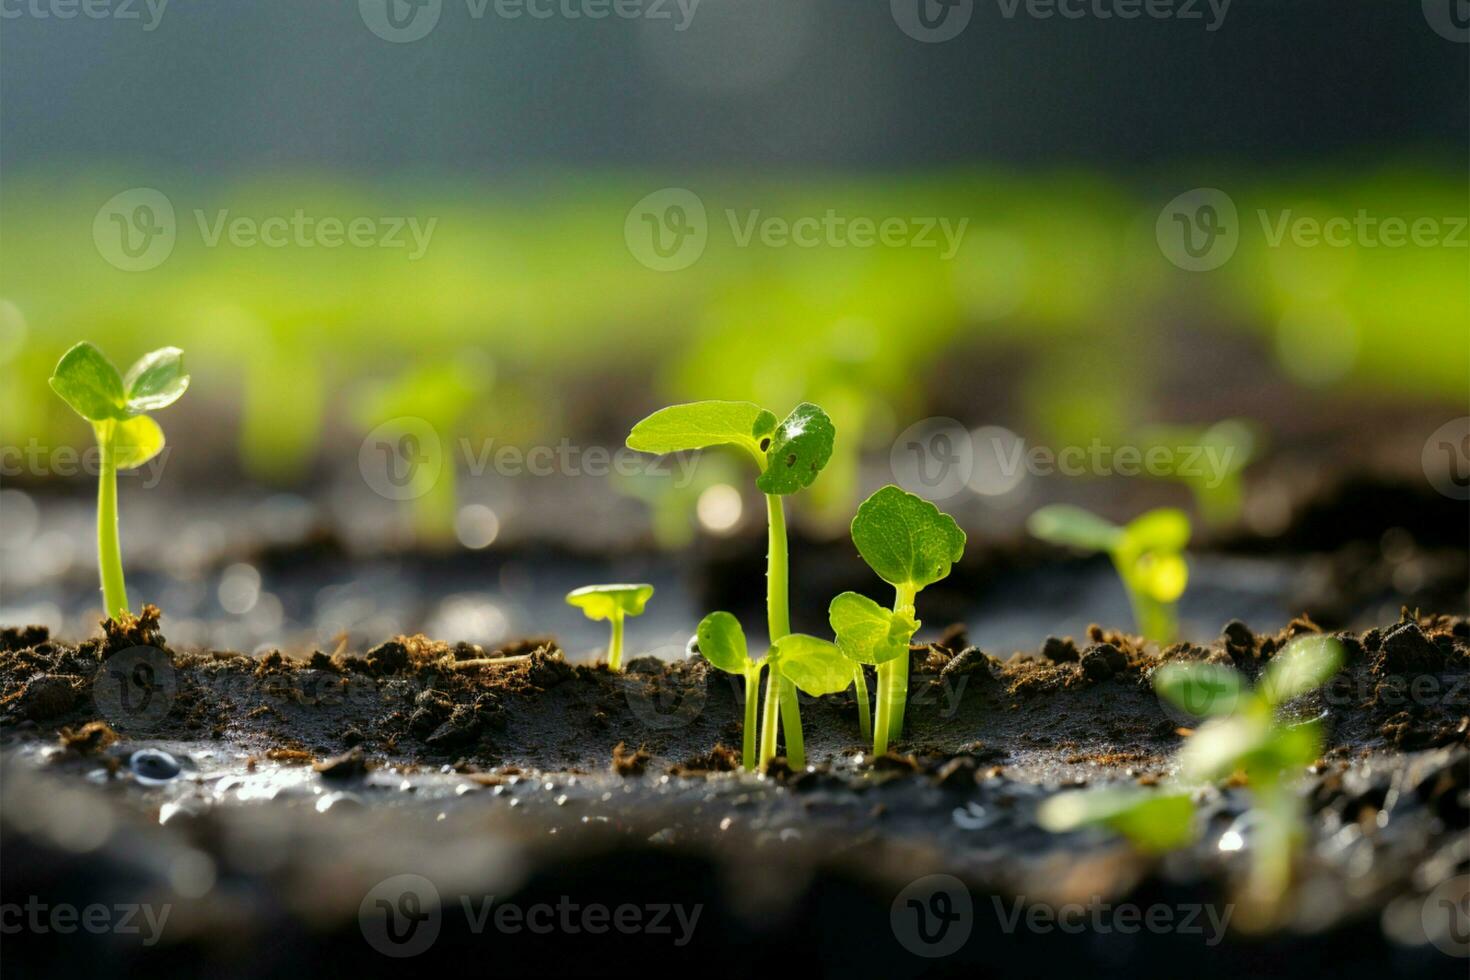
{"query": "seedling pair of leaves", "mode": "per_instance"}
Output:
(1147, 553)
(613, 603)
(117, 406)
(795, 661)
(910, 544)
(788, 455)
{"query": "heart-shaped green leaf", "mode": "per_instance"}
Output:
(722, 642)
(86, 380)
(699, 425)
(868, 633)
(156, 380)
(1307, 663)
(1074, 527)
(906, 539)
(603, 601)
(1163, 530)
(800, 447)
(135, 441)
(814, 666)
(1199, 689)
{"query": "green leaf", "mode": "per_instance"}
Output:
(1199, 689)
(156, 380)
(699, 425)
(800, 447)
(868, 633)
(1074, 527)
(135, 441)
(1306, 664)
(1153, 821)
(906, 539)
(814, 666)
(1221, 745)
(602, 601)
(1161, 577)
(1163, 530)
(86, 380)
(722, 643)
(1289, 747)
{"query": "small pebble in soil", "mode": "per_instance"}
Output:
(153, 767)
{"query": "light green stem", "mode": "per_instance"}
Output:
(109, 551)
(752, 701)
(898, 677)
(865, 710)
(615, 645)
(791, 716)
(778, 618)
(883, 721)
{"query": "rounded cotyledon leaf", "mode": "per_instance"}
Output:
(799, 448)
(866, 632)
(906, 539)
(86, 380)
(722, 642)
(699, 425)
(1165, 529)
(1307, 663)
(603, 601)
(1200, 689)
(1072, 526)
(815, 666)
(135, 441)
(156, 381)
(1155, 821)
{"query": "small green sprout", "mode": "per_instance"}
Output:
(801, 662)
(1147, 552)
(614, 603)
(1212, 468)
(1155, 821)
(911, 544)
(788, 456)
(127, 437)
(1244, 734)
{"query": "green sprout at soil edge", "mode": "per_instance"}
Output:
(1147, 552)
(796, 661)
(1154, 821)
(911, 544)
(788, 455)
(614, 603)
(1245, 736)
(126, 437)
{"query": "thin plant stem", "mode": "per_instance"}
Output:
(791, 715)
(865, 710)
(752, 702)
(898, 678)
(882, 722)
(109, 551)
(615, 645)
(770, 719)
(778, 618)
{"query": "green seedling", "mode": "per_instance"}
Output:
(1154, 821)
(911, 544)
(117, 406)
(1147, 552)
(1209, 461)
(796, 661)
(788, 456)
(1248, 734)
(613, 603)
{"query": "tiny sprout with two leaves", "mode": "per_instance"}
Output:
(796, 660)
(1155, 821)
(117, 406)
(1148, 553)
(1245, 734)
(614, 603)
(788, 456)
(911, 544)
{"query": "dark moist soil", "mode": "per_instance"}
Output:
(303, 783)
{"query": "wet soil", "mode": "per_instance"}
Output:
(289, 788)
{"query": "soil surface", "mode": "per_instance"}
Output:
(267, 800)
